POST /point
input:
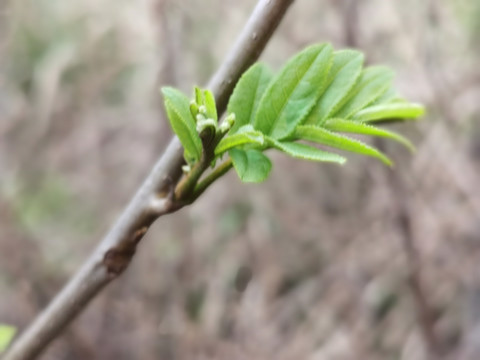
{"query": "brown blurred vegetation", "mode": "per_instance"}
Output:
(320, 262)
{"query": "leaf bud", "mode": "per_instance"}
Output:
(194, 109)
(227, 123)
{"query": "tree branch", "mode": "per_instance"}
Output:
(153, 199)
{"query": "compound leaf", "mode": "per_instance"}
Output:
(345, 71)
(294, 91)
(373, 83)
(247, 94)
(391, 95)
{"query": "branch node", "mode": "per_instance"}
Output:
(160, 205)
(116, 260)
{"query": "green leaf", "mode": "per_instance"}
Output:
(210, 105)
(247, 94)
(177, 106)
(328, 138)
(391, 95)
(345, 71)
(306, 152)
(402, 110)
(7, 333)
(238, 139)
(294, 92)
(251, 165)
(348, 126)
(199, 96)
(373, 83)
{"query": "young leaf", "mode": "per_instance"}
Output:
(251, 165)
(348, 126)
(325, 137)
(247, 94)
(210, 105)
(345, 71)
(199, 96)
(391, 95)
(177, 106)
(373, 83)
(6, 335)
(306, 152)
(294, 92)
(238, 139)
(402, 110)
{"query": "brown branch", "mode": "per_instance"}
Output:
(116, 250)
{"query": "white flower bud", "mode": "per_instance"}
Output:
(225, 126)
(204, 123)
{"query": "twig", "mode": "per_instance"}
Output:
(116, 250)
(210, 178)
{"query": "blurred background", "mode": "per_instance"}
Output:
(321, 262)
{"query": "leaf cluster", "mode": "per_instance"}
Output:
(316, 99)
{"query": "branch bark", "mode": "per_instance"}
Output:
(152, 200)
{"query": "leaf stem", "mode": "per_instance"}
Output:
(218, 172)
(187, 184)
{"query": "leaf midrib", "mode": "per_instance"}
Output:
(295, 87)
(338, 105)
(354, 94)
(251, 119)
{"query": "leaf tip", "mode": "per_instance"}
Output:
(387, 161)
(342, 161)
(421, 110)
(411, 147)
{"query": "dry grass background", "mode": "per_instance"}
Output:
(309, 265)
